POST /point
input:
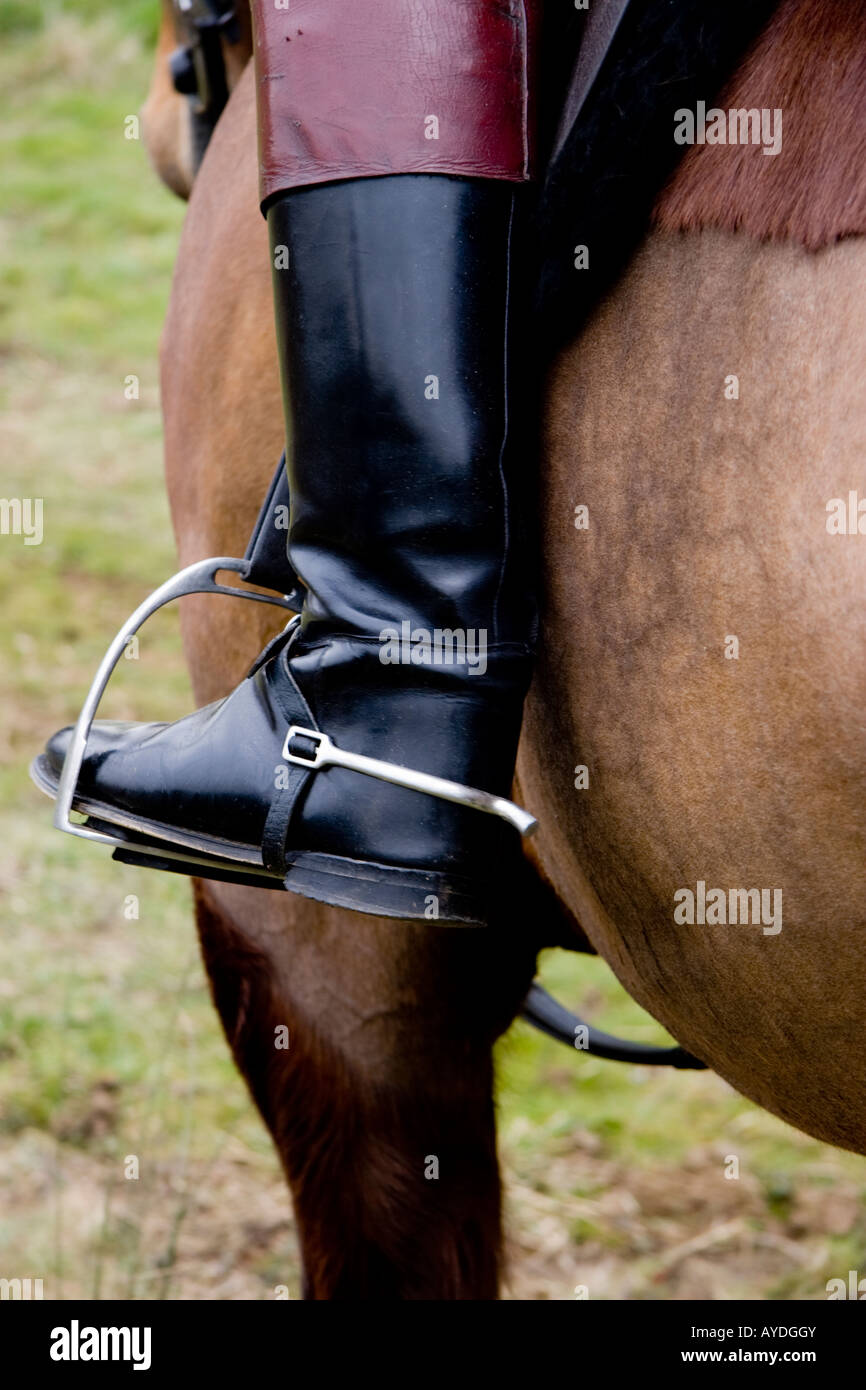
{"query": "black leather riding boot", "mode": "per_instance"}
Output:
(367, 759)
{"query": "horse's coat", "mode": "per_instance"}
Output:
(707, 520)
(810, 63)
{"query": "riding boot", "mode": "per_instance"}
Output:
(357, 761)
(367, 759)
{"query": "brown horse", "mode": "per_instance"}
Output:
(702, 658)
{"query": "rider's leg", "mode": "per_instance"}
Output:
(395, 144)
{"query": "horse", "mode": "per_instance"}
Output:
(693, 739)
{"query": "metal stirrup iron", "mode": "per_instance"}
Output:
(199, 578)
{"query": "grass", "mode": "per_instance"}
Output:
(109, 1046)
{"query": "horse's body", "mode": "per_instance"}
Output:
(706, 522)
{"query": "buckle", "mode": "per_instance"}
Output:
(198, 67)
(320, 755)
(327, 754)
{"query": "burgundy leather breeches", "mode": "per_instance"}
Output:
(353, 88)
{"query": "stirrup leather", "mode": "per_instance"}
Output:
(200, 578)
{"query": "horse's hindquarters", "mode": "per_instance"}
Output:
(703, 657)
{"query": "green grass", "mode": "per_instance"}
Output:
(138, 18)
(89, 238)
(97, 1011)
(109, 1045)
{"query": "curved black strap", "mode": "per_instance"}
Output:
(550, 1017)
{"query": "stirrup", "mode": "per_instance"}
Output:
(200, 578)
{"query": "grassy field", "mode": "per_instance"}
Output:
(109, 1046)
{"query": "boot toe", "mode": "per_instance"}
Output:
(104, 735)
(56, 748)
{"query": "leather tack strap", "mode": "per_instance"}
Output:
(267, 561)
(279, 818)
(601, 25)
(295, 709)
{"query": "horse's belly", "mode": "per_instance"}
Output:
(703, 657)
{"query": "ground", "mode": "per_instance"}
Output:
(620, 1180)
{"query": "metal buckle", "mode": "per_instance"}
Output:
(327, 754)
(195, 579)
(315, 736)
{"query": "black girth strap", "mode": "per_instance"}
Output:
(550, 1017)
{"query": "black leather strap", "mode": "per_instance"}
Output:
(550, 1017)
(279, 817)
(266, 553)
(295, 710)
(601, 26)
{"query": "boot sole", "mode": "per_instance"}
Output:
(357, 884)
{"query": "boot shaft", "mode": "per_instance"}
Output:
(399, 318)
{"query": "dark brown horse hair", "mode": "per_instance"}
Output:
(370, 1227)
(810, 61)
